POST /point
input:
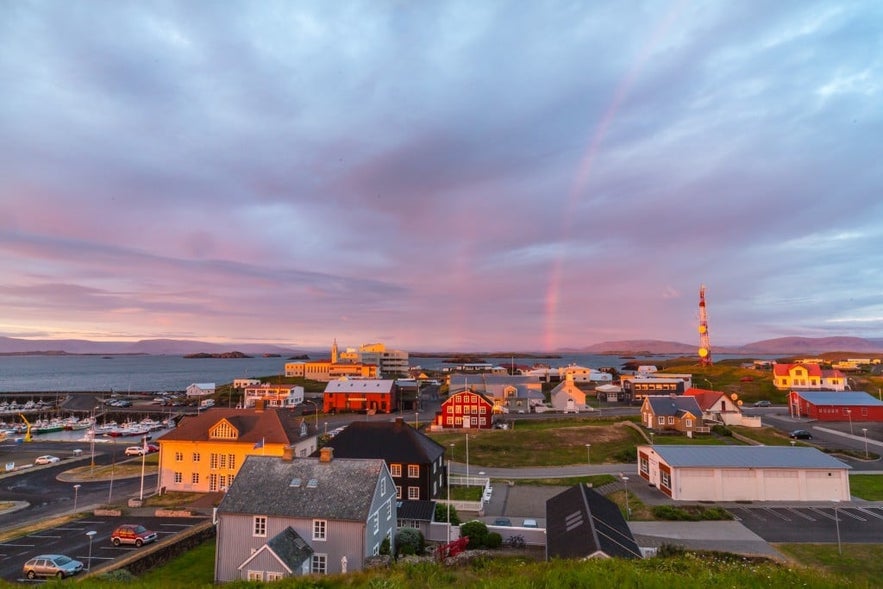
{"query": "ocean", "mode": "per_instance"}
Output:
(121, 373)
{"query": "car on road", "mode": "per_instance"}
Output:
(800, 434)
(47, 459)
(51, 565)
(135, 451)
(762, 403)
(502, 521)
(132, 534)
(529, 523)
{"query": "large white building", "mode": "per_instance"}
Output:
(390, 363)
(744, 473)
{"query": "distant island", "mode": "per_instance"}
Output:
(221, 355)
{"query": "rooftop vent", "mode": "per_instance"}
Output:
(295, 482)
(312, 484)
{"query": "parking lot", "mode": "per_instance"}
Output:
(857, 524)
(71, 539)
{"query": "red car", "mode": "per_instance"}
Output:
(132, 534)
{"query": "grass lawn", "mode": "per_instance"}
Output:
(867, 486)
(768, 436)
(545, 443)
(697, 440)
(862, 563)
(595, 481)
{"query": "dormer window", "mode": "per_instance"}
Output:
(223, 430)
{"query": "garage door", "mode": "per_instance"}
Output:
(739, 485)
(697, 484)
(781, 485)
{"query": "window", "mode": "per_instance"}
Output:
(212, 482)
(661, 420)
(223, 431)
(319, 529)
(645, 465)
(213, 461)
(231, 464)
(179, 477)
(194, 478)
(319, 564)
(450, 420)
(255, 575)
(275, 576)
(222, 461)
(259, 527)
(474, 421)
(666, 479)
(482, 410)
(689, 423)
(395, 470)
(382, 487)
(398, 492)
(179, 457)
(671, 420)
(388, 510)
(413, 471)
(196, 457)
(376, 523)
(414, 493)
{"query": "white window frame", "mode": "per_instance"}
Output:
(255, 576)
(320, 529)
(259, 526)
(414, 493)
(395, 470)
(413, 471)
(319, 564)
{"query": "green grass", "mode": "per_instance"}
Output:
(867, 486)
(768, 436)
(696, 440)
(863, 563)
(595, 481)
(685, 571)
(556, 443)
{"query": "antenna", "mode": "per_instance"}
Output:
(704, 343)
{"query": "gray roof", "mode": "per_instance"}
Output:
(746, 457)
(858, 398)
(473, 380)
(393, 441)
(343, 490)
(581, 522)
(674, 405)
(416, 510)
(290, 548)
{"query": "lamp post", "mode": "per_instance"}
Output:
(651, 438)
(865, 431)
(90, 533)
(449, 493)
(467, 460)
(849, 415)
(588, 454)
(416, 420)
(326, 428)
(837, 527)
(628, 511)
(316, 407)
(76, 493)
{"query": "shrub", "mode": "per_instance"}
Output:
(477, 532)
(722, 430)
(384, 546)
(409, 541)
(669, 550)
(493, 540)
(441, 514)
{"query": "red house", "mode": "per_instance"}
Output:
(368, 395)
(466, 409)
(832, 406)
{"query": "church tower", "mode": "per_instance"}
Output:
(334, 352)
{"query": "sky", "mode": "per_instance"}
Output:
(440, 175)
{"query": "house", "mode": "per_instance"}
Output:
(466, 409)
(672, 413)
(497, 387)
(568, 397)
(241, 383)
(718, 407)
(636, 386)
(609, 393)
(579, 374)
(415, 461)
(582, 523)
(205, 452)
(832, 406)
(520, 399)
(368, 395)
(328, 514)
(418, 515)
(201, 389)
(744, 473)
(325, 370)
(272, 395)
(807, 377)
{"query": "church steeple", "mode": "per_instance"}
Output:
(334, 352)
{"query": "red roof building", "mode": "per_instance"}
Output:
(807, 377)
(466, 409)
(828, 406)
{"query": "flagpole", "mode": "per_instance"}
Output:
(143, 463)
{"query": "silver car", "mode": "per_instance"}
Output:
(51, 565)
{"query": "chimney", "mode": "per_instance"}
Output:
(287, 454)
(326, 454)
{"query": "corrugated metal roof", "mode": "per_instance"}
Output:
(859, 398)
(746, 457)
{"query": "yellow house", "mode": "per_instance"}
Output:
(204, 453)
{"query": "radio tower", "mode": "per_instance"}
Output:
(704, 344)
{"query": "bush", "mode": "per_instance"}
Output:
(493, 540)
(477, 532)
(721, 430)
(409, 541)
(441, 514)
(384, 547)
(690, 513)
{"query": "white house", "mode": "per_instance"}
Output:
(201, 389)
(568, 397)
(273, 395)
(744, 473)
(241, 383)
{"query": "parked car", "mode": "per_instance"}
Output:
(152, 448)
(132, 534)
(800, 434)
(47, 459)
(529, 523)
(134, 450)
(762, 403)
(51, 565)
(502, 521)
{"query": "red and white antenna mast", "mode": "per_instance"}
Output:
(704, 343)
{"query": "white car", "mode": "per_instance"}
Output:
(135, 451)
(47, 459)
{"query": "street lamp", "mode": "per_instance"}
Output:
(326, 428)
(467, 460)
(449, 493)
(865, 431)
(837, 526)
(651, 438)
(628, 511)
(76, 493)
(416, 420)
(849, 415)
(588, 454)
(90, 533)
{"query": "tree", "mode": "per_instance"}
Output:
(477, 532)
(409, 541)
(441, 514)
